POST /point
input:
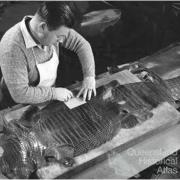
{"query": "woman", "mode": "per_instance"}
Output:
(29, 56)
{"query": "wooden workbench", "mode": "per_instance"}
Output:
(164, 116)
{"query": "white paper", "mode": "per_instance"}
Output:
(74, 102)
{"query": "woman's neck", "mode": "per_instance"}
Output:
(31, 25)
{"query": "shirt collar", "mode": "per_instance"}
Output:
(29, 41)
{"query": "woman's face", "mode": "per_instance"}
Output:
(50, 37)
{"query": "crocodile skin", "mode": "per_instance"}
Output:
(59, 133)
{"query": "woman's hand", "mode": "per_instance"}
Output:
(88, 87)
(63, 94)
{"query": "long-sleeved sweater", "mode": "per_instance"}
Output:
(18, 63)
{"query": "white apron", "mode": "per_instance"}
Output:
(48, 70)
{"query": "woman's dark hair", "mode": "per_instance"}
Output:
(56, 13)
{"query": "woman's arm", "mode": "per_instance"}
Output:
(15, 73)
(75, 42)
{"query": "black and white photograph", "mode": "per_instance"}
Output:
(90, 89)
